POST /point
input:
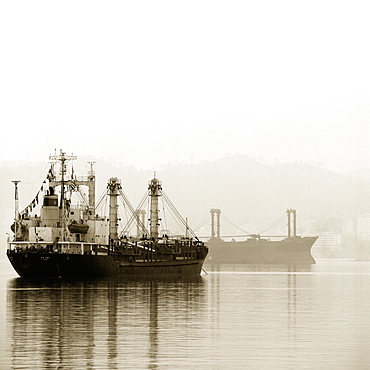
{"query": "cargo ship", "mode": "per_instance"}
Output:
(67, 240)
(289, 250)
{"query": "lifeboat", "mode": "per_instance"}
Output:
(78, 228)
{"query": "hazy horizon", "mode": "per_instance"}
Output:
(155, 83)
(150, 165)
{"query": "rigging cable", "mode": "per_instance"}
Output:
(126, 228)
(103, 197)
(133, 212)
(176, 213)
(273, 224)
(206, 218)
(164, 217)
(232, 224)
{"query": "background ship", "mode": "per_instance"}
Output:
(292, 250)
(75, 241)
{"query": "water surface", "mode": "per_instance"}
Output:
(235, 317)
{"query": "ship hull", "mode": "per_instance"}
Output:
(75, 265)
(293, 251)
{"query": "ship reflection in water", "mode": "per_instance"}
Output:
(103, 324)
(236, 317)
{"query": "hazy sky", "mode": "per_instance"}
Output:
(151, 82)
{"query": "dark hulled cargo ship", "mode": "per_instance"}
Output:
(74, 241)
(291, 250)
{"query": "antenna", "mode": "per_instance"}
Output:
(91, 172)
(62, 158)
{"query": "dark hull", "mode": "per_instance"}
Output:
(77, 265)
(294, 251)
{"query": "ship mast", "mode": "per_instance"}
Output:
(91, 185)
(113, 191)
(215, 226)
(294, 212)
(16, 207)
(62, 158)
(154, 192)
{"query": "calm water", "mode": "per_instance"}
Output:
(236, 317)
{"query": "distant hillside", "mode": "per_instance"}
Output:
(360, 174)
(248, 192)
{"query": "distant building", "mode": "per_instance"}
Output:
(348, 226)
(363, 228)
(329, 239)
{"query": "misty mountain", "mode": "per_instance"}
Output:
(249, 192)
(360, 174)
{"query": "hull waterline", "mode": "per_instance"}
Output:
(73, 265)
